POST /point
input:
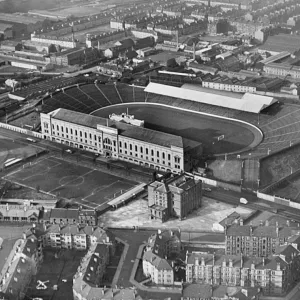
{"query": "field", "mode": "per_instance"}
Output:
(289, 189)
(193, 127)
(54, 270)
(230, 170)
(89, 187)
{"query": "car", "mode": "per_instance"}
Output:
(31, 140)
(207, 189)
(70, 151)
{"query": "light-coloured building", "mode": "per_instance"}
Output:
(21, 264)
(118, 140)
(19, 213)
(174, 197)
(238, 88)
(157, 263)
(76, 237)
(272, 274)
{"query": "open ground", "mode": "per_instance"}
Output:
(136, 214)
(195, 128)
(82, 185)
(289, 189)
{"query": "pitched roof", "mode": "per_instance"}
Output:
(131, 131)
(158, 262)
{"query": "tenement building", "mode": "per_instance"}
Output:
(272, 274)
(157, 258)
(115, 139)
(260, 241)
(174, 197)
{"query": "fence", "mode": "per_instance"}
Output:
(278, 200)
(21, 130)
(220, 184)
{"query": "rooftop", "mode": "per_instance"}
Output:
(130, 131)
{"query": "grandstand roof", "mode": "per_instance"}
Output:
(135, 132)
(248, 102)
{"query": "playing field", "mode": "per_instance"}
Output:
(82, 185)
(195, 128)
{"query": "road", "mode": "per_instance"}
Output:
(216, 193)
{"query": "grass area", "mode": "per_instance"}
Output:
(289, 189)
(89, 187)
(278, 166)
(54, 270)
(193, 127)
(226, 170)
(139, 275)
(21, 192)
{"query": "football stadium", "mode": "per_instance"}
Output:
(254, 133)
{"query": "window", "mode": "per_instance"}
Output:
(62, 129)
(157, 153)
(141, 149)
(85, 135)
(90, 136)
(125, 145)
(130, 146)
(147, 151)
(80, 133)
(45, 125)
(120, 144)
(57, 127)
(152, 152)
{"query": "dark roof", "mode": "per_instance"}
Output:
(63, 213)
(230, 219)
(134, 132)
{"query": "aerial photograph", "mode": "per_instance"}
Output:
(150, 150)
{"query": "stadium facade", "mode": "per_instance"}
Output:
(113, 139)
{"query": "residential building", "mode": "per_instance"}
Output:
(87, 281)
(272, 274)
(157, 258)
(72, 216)
(260, 241)
(175, 197)
(19, 213)
(110, 138)
(76, 237)
(21, 264)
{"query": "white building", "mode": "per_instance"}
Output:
(114, 139)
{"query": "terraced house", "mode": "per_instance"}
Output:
(272, 274)
(260, 241)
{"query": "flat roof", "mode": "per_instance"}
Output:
(131, 131)
(249, 102)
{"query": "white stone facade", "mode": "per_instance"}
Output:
(107, 141)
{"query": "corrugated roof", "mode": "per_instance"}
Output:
(134, 132)
(249, 102)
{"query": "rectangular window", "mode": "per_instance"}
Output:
(57, 127)
(147, 151)
(141, 149)
(71, 131)
(130, 146)
(80, 133)
(85, 135)
(45, 125)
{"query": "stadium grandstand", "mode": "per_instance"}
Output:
(279, 122)
(248, 102)
(86, 98)
(43, 87)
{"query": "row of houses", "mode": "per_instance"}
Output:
(33, 214)
(269, 268)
